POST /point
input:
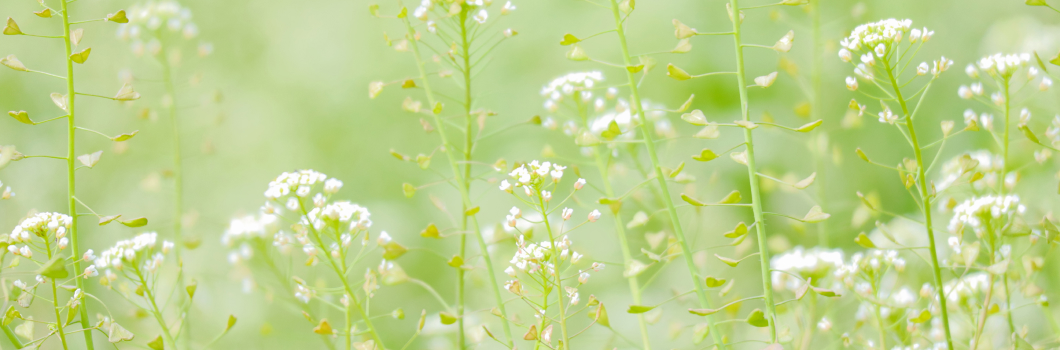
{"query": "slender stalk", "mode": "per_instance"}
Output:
(820, 153)
(926, 199)
(664, 190)
(557, 275)
(468, 142)
(59, 324)
(178, 175)
(620, 229)
(284, 282)
(156, 312)
(70, 168)
(341, 273)
(464, 187)
(1003, 190)
(752, 170)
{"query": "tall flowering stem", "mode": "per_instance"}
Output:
(879, 44)
(460, 24)
(664, 190)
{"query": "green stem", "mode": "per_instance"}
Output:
(464, 188)
(756, 195)
(341, 273)
(59, 324)
(820, 152)
(664, 190)
(263, 251)
(70, 168)
(926, 207)
(178, 173)
(465, 178)
(155, 311)
(556, 274)
(620, 228)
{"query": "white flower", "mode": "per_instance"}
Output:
(91, 271)
(824, 325)
(1025, 116)
(546, 195)
(506, 186)
(510, 271)
(922, 69)
(1045, 85)
(567, 212)
(579, 184)
(971, 71)
(868, 59)
(481, 16)
(594, 215)
(886, 116)
(384, 238)
(977, 88)
(508, 8)
(1004, 65)
(852, 83)
(844, 55)
(964, 92)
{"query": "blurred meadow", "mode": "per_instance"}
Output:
(286, 87)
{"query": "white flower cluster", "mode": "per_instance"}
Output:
(1053, 132)
(988, 163)
(6, 193)
(300, 183)
(354, 216)
(49, 226)
(568, 85)
(534, 258)
(153, 15)
(147, 20)
(807, 263)
(142, 248)
(535, 174)
(966, 287)
(1004, 65)
(977, 213)
(242, 231)
(880, 37)
(878, 261)
(477, 9)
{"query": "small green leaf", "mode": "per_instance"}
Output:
(21, 117)
(403, 13)
(757, 318)
(1036, 2)
(612, 131)
(117, 333)
(447, 318)
(635, 69)
(1041, 64)
(456, 261)
(569, 39)
(118, 17)
(695, 117)
(739, 231)
(1028, 133)
(408, 189)
(703, 312)
(431, 232)
(323, 328)
(639, 309)
(715, 282)
(81, 57)
(705, 155)
(861, 154)
(392, 250)
(472, 211)
(691, 200)
(815, 215)
(576, 53)
(108, 219)
(810, 126)
(125, 136)
(374, 10)
(864, 241)
(54, 268)
(156, 344)
(191, 288)
(727, 261)
(732, 197)
(924, 316)
(677, 170)
(12, 28)
(137, 222)
(677, 73)
(804, 183)
(231, 322)
(11, 315)
(688, 103)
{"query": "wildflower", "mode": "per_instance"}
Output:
(597, 267)
(852, 83)
(7, 193)
(922, 69)
(1004, 65)
(566, 214)
(976, 213)
(384, 238)
(977, 88)
(824, 325)
(579, 184)
(91, 271)
(594, 215)
(971, 71)
(809, 263)
(481, 16)
(1025, 116)
(507, 8)
(987, 120)
(886, 116)
(303, 293)
(997, 98)
(844, 55)
(546, 195)
(583, 277)
(506, 186)
(1043, 86)
(964, 92)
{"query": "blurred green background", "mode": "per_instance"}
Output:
(292, 79)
